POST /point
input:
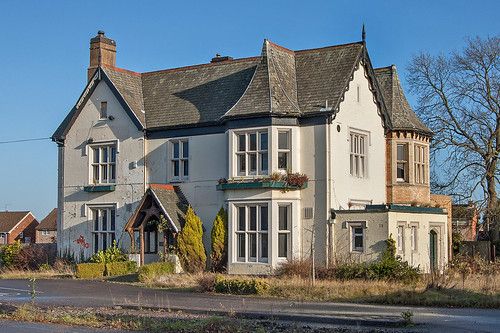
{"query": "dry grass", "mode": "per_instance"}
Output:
(41, 274)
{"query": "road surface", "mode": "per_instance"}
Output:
(83, 293)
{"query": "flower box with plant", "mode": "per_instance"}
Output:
(277, 180)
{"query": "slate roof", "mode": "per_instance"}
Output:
(402, 115)
(49, 222)
(8, 220)
(173, 201)
(280, 82)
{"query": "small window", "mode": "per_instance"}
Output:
(45, 232)
(284, 231)
(103, 164)
(402, 162)
(104, 110)
(283, 150)
(357, 238)
(358, 162)
(401, 239)
(180, 160)
(413, 238)
(420, 159)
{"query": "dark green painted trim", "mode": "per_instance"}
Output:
(99, 188)
(395, 208)
(256, 185)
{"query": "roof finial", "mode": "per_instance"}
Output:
(363, 34)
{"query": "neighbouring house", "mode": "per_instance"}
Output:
(312, 152)
(464, 220)
(46, 231)
(17, 226)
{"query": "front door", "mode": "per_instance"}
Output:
(433, 250)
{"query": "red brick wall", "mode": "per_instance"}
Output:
(27, 227)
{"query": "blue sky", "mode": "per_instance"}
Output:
(44, 55)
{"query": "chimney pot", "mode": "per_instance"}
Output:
(102, 53)
(219, 58)
(100, 32)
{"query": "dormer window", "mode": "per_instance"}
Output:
(104, 110)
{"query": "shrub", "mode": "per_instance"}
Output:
(111, 254)
(44, 268)
(219, 242)
(299, 268)
(190, 244)
(121, 268)
(90, 270)
(8, 253)
(30, 257)
(206, 282)
(154, 270)
(240, 286)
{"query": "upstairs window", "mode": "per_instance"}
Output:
(104, 226)
(180, 160)
(103, 164)
(284, 150)
(402, 162)
(252, 156)
(420, 165)
(103, 114)
(358, 163)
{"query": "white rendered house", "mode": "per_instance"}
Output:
(137, 145)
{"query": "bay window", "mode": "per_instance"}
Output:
(420, 164)
(252, 156)
(103, 164)
(252, 225)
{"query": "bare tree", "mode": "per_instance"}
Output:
(458, 97)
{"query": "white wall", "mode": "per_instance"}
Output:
(75, 217)
(361, 116)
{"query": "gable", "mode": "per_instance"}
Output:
(100, 76)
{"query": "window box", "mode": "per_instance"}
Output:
(244, 185)
(99, 188)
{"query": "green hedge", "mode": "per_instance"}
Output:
(239, 286)
(151, 271)
(121, 268)
(90, 270)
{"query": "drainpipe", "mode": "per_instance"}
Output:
(328, 190)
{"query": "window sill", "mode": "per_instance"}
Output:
(100, 188)
(248, 184)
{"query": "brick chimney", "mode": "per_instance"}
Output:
(102, 53)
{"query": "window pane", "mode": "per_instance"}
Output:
(104, 219)
(264, 162)
(176, 168)
(252, 244)
(96, 219)
(401, 152)
(253, 141)
(241, 142)
(104, 241)
(401, 171)
(282, 161)
(152, 241)
(282, 245)
(242, 163)
(176, 149)
(283, 217)
(113, 220)
(358, 242)
(263, 246)
(113, 239)
(104, 173)
(241, 219)
(253, 162)
(263, 141)
(283, 140)
(96, 242)
(241, 245)
(185, 149)
(113, 172)
(104, 151)
(263, 218)
(113, 154)
(104, 109)
(253, 218)
(362, 145)
(186, 167)
(95, 152)
(95, 173)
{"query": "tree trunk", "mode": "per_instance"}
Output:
(490, 216)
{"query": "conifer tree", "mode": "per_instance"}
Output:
(219, 242)
(190, 244)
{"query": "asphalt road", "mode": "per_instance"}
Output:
(80, 293)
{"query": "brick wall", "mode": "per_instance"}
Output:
(50, 238)
(27, 227)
